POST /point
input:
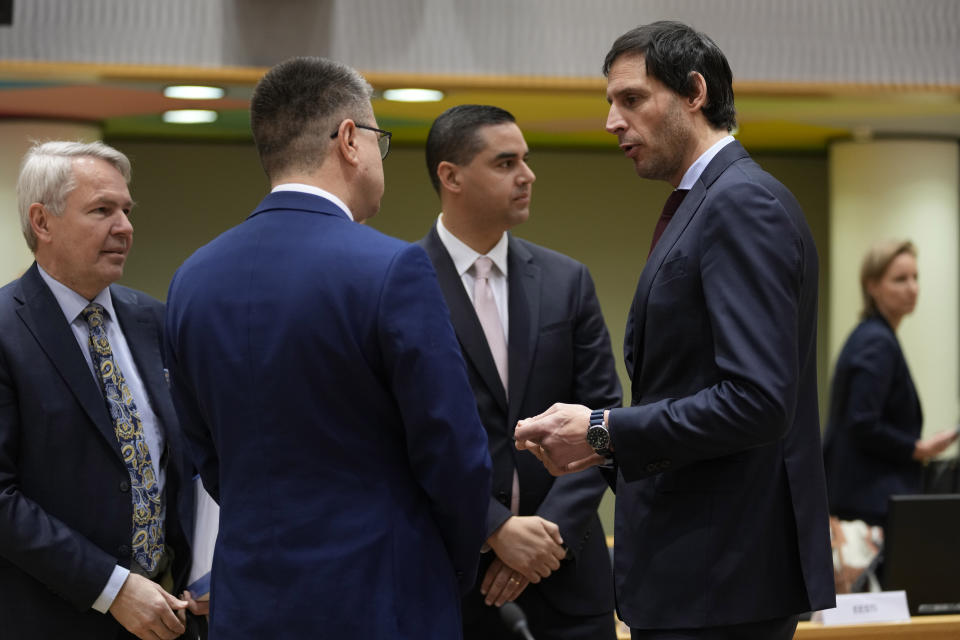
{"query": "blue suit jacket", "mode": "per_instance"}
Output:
(721, 505)
(559, 351)
(875, 422)
(323, 390)
(65, 509)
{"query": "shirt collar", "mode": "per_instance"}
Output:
(464, 257)
(71, 302)
(696, 169)
(317, 191)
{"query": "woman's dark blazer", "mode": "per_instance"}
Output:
(875, 422)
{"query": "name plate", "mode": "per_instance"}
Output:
(861, 608)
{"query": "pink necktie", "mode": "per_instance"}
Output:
(489, 316)
(486, 306)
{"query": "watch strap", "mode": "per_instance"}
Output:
(596, 420)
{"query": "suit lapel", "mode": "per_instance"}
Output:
(524, 305)
(914, 397)
(464, 317)
(44, 318)
(141, 333)
(636, 319)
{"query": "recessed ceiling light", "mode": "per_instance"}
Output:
(189, 116)
(413, 95)
(193, 92)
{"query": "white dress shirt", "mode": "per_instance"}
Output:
(696, 169)
(317, 191)
(463, 259)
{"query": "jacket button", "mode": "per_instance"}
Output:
(124, 551)
(124, 486)
(459, 574)
(502, 497)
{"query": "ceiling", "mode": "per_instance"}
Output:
(127, 102)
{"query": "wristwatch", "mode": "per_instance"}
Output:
(598, 436)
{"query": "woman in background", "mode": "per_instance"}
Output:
(872, 447)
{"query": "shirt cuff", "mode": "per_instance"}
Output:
(611, 464)
(105, 600)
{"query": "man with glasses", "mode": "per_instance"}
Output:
(383, 138)
(322, 389)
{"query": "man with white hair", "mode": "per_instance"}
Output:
(91, 467)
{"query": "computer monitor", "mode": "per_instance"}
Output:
(921, 551)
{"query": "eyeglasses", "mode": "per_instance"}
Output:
(383, 138)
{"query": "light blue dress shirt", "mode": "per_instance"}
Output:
(72, 304)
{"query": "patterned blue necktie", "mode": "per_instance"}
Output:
(148, 513)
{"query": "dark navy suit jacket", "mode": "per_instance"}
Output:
(875, 422)
(721, 505)
(65, 508)
(322, 388)
(559, 351)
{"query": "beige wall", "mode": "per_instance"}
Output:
(587, 204)
(876, 195)
(185, 194)
(16, 136)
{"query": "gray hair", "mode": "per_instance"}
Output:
(297, 105)
(46, 176)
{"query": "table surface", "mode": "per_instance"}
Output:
(919, 628)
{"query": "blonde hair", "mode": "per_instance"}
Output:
(875, 264)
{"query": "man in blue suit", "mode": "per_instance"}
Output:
(546, 342)
(322, 388)
(721, 518)
(95, 495)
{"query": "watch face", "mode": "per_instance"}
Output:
(598, 437)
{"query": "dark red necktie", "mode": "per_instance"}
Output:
(669, 208)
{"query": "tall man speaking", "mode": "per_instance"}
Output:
(721, 517)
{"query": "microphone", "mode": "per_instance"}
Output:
(515, 620)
